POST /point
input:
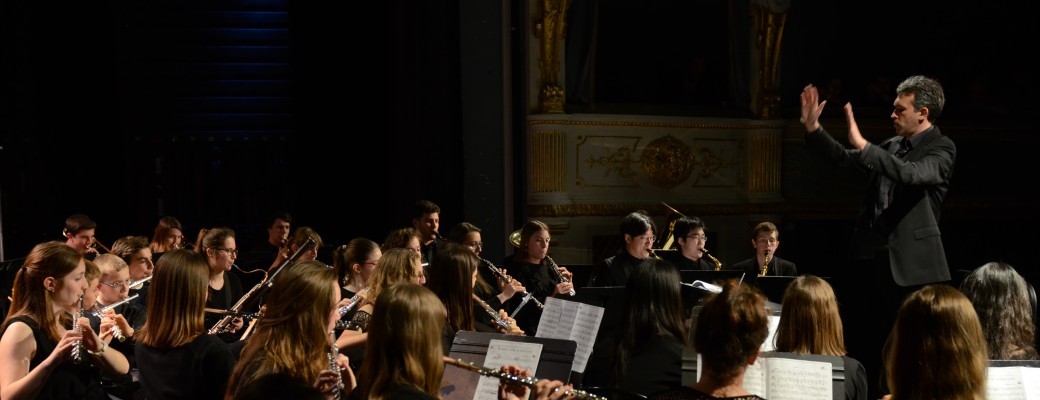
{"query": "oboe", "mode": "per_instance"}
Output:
(77, 349)
(508, 378)
(100, 313)
(556, 269)
(501, 275)
(333, 354)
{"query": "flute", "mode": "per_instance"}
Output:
(100, 313)
(508, 378)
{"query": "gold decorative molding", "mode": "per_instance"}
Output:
(764, 165)
(712, 163)
(768, 18)
(550, 30)
(667, 161)
(618, 160)
(547, 161)
(655, 209)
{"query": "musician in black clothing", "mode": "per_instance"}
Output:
(79, 234)
(218, 245)
(489, 287)
(765, 238)
(531, 266)
(638, 231)
(690, 236)
(426, 219)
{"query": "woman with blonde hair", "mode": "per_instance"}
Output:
(176, 357)
(937, 349)
(293, 335)
(810, 324)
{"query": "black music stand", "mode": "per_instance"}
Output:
(459, 384)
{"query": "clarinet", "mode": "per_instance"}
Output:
(77, 349)
(508, 378)
(494, 315)
(333, 353)
(555, 269)
(354, 300)
(100, 313)
(498, 273)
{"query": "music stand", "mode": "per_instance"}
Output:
(459, 384)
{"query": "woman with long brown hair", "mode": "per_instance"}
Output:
(176, 357)
(530, 266)
(36, 346)
(293, 335)
(1002, 301)
(810, 324)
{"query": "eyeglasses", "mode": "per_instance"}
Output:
(644, 238)
(766, 240)
(474, 244)
(701, 238)
(231, 252)
(118, 284)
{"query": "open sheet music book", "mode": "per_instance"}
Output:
(705, 286)
(776, 378)
(1013, 383)
(571, 320)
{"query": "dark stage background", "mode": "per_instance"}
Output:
(218, 112)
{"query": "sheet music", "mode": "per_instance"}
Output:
(585, 328)
(1013, 383)
(783, 379)
(571, 320)
(548, 323)
(798, 379)
(504, 352)
(769, 344)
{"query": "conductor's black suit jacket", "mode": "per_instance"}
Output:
(908, 229)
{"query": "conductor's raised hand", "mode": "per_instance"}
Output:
(855, 137)
(811, 108)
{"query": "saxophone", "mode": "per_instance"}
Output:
(765, 266)
(718, 264)
(77, 349)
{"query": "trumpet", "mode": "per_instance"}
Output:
(508, 378)
(501, 275)
(100, 313)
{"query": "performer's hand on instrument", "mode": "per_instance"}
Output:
(564, 288)
(566, 274)
(512, 391)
